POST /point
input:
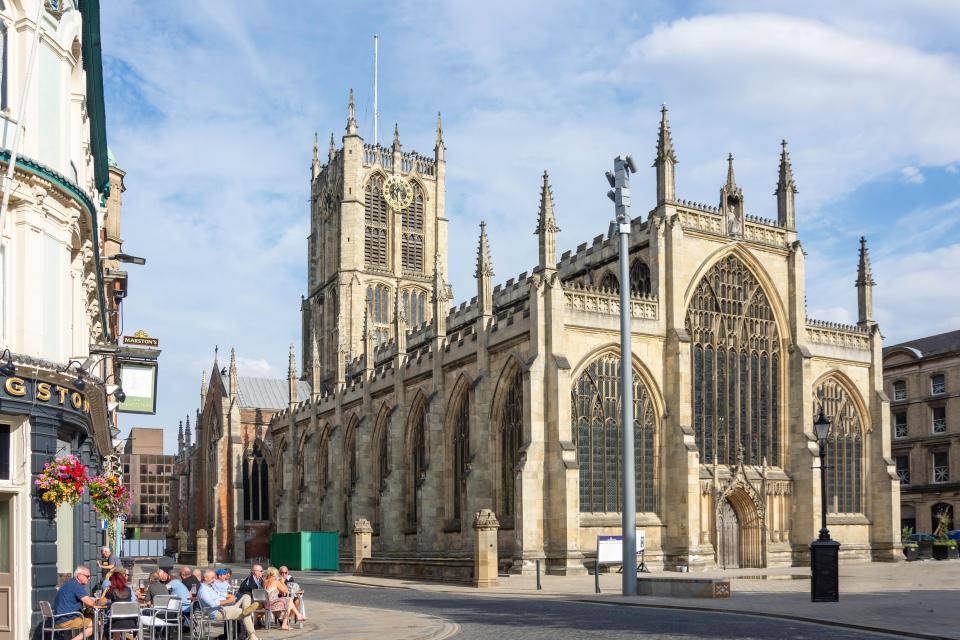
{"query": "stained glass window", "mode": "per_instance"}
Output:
(736, 367)
(844, 447)
(461, 453)
(418, 463)
(511, 434)
(379, 301)
(639, 278)
(596, 428)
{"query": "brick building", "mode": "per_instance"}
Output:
(922, 379)
(220, 480)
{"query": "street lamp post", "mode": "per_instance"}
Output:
(620, 194)
(824, 552)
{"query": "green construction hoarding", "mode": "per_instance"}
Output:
(305, 550)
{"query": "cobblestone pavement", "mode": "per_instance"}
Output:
(478, 615)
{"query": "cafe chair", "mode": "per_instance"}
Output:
(165, 616)
(261, 596)
(49, 623)
(125, 619)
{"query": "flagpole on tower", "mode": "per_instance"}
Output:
(376, 108)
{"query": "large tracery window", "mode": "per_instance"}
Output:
(256, 486)
(844, 467)
(382, 467)
(461, 453)
(350, 459)
(511, 436)
(417, 448)
(596, 430)
(415, 306)
(736, 368)
(378, 300)
(411, 240)
(376, 219)
(639, 278)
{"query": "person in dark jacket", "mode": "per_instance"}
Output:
(253, 581)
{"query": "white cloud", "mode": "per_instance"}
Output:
(913, 175)
(952, 169)
(255, 368)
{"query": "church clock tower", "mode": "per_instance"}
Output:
(377, 230)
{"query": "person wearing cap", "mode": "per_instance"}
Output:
(222, 584)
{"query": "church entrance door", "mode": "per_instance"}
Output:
(729, 537)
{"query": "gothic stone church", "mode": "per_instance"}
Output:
(422, 413)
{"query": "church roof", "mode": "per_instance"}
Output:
(930, 345)
(268, 393)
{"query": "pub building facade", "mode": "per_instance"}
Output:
(59, 296)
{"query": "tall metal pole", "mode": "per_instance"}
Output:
(376, 81)
(620, 194)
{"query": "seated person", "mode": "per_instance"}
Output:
(179, 590)
(219, 609)
(157, 584)
(70, 600)
(251, 582)
(279, 598)
(189, 580)
(222, 584)
(119, 591)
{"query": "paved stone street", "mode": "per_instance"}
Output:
(479, 616)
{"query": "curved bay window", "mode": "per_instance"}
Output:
(736, 368)
(378, 301)
(411, 240)
(639, 278)
(844, 447)
(376, 216)
(417, 451)
(256, 486)
(415, 306)
(461, 453)
(596, 431)
(511, 437)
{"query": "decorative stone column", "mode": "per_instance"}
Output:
(362, 545)
(485, 549)
(202, 548)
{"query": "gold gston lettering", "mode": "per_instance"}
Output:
(43, 391)
(62, 392)
(76, 400)
(15, 387)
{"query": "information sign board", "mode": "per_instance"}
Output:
(610, 548)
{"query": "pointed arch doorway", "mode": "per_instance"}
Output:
(740, 532)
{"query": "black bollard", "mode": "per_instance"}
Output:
(538, 576)
(596, 578)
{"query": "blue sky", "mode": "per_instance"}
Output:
(212, 107)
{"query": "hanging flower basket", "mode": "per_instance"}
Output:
(110, 498)
(62, 480)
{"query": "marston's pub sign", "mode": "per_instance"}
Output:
(48, 393)
(141, 339)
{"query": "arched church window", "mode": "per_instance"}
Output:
(411, 241)
(736, 368)
(639, 278)
(414, 307)
(350, 458)
(417, 452)
(511, 437)
(323, 473)
(382, 465)
(461, 452)
(844, 447)
(596, 430)
(256, 486)
(378, 300)
(376, 224)
(610, 283)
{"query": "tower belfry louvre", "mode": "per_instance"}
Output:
(377, 229)
(424, 414)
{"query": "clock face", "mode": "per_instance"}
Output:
(397, 192)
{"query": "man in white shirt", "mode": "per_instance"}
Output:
(224, 609)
